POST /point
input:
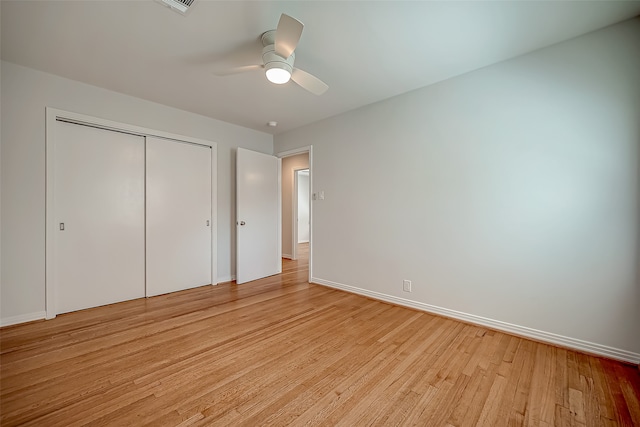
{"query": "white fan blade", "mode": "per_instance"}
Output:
(287, 35)
(244, 58)
(309, 81)
(227, 71)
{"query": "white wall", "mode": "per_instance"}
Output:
(303, 207)
(289, 166)
(25, 94)
(508, 195)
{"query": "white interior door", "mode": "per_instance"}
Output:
(258, 216)
(99, 217)
(179, 219)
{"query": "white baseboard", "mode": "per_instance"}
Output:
(23, 318)
(226, 279)
(287, 256)
(548, 337)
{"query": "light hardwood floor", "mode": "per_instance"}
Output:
(280, 351)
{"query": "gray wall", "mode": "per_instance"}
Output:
(508, 195)
(25, 94)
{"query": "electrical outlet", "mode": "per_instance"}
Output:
(406, 285)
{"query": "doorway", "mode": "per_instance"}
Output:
(297, 175)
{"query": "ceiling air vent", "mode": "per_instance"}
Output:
(181, 6)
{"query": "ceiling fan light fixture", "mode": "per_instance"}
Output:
(278, 75)
(278, 57)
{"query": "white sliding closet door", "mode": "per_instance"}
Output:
(99, 197)
(178, 216)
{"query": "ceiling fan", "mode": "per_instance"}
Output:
(278, 57)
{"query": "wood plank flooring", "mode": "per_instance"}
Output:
(281, 351)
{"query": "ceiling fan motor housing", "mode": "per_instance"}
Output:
(272, 60)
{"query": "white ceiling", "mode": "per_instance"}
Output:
(365, 51)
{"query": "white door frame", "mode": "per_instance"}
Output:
(307, 149)
(53, 115)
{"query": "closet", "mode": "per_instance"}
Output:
(131, 215)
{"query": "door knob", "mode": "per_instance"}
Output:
(242, 223)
